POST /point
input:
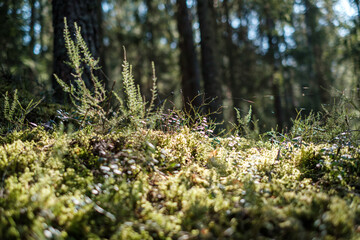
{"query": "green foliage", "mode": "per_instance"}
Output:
(194, 119)
(338, 122)
(136, 111)
(133, 95)
(245, 126)
(93, 104)
(140, 183)
(15, 113)
(88, 103)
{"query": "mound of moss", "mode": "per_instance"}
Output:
(149, 184)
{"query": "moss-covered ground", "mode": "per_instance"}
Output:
(148, 184)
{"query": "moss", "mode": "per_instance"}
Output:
(150, 184)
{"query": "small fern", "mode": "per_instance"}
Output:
(14, 112)
(154, 90)
(10, 111)
(136, 111)
(133, 96)
(90, 103)
(243, 125)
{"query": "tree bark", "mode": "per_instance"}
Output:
(33, 18)
(189, 65)
(101, 51)
(230, 78)
(274, 64)
(84, 13)
(315, 64)
(149, 41)
(209, 58)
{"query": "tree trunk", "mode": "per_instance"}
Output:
(315, 64)
(41, 22)
(149, 42)
(101, 51)
(32, 28)
(84, 13)
(189, 65)
(357, 4)
(230, 79)
(209, 58)
(274, 63)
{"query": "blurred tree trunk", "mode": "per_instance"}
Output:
(315, 62)
(149, 41)
(101, 52)
(189, 65)
(42, 24)
(229, 42)
(355, 46)
(289, 108)
(230, 46)
(209, 57)
(85, 14)
(33, 18)
(357, 28)
(273, 56)
(357, 4)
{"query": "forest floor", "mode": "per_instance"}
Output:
(181, 184)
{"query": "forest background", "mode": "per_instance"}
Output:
(120, 164)
(279, 57)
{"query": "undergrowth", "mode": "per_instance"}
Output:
(133, 171)
(93, 105)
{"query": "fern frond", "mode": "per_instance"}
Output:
(7, 106)
(154, 90)
(131, 91)
(248, 116)
(32, 105)
(9, 115)
(15, 113)
(72, 50)
(63, 85)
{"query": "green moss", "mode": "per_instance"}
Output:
(149, 184)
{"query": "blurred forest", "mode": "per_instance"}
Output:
(277, 56)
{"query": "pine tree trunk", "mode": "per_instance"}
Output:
(189, 65)
(101, 51)
(209, 58)
(274, 64)
(32, 28)
(230, 79)
(84, 13)
(149, 41)
(317, 76)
